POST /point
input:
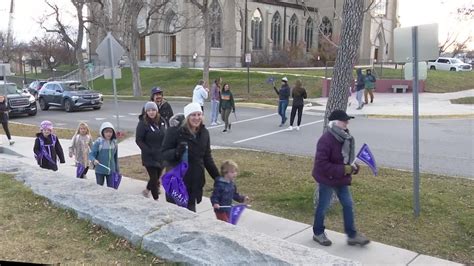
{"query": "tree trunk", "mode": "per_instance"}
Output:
(207, 44)
(80, 64)
(134, 68)
(352, 15)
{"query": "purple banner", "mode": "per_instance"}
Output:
(174, 185)
(368, 158)
(270, 80)
(80, 169)
(235, 213)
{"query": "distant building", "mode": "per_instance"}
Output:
(271, 26)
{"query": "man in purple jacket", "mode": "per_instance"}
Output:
(334, 165)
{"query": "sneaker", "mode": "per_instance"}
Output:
(213, 124)
(358, 108)
(280, 125)
(322, 239)
(290, 128)
(358, 239)
(219, 123)
(298, 128)
(12, 142)
(146, 193)
(224, 131)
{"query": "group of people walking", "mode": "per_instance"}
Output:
(163, 137)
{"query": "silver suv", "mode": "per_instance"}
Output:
(70, 95)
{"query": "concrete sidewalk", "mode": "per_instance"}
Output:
(401, 105)
(375, 253)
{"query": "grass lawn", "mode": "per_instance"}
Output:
(383, 204)
(464, 100)
(33, 230)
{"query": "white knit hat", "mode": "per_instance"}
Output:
(285, 79)
(192, 108)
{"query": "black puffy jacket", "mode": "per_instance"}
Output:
(149, 138)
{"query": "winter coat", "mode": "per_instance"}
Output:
(360, 83)
(149, 138)
(3, 109)
(224, 192)
(199, 156)
(105, 151)
(298, 94)
(284, 92)
(199, 95)
(370, 81)
(80, 148)
(54, 151)
(329, 163)
(215, 92)
(227, 100)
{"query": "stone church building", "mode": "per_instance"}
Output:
(266, 27)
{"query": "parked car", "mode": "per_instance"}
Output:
(36, 86)
(70, 95)
(19, 101)
(448, 64)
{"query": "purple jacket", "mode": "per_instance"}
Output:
(215, 92)
(328, 163)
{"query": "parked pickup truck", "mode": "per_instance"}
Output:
(448, 64)
(19, 101)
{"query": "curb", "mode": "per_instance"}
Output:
(456, 116)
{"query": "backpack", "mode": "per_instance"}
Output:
(43, 152)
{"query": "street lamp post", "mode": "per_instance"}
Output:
(51, 60)
(23, 61)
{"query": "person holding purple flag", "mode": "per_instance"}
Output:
(190, 132)
(225, 191)
(333, 169)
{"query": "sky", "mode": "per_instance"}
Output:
(411, 12)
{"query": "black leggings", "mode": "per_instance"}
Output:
(5, 128)
(154, 183)
(298, 108)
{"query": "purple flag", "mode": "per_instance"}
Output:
(235, 213)
(116, 179)
(270, 80)
(174, 186)
(80, 169)
(367, 157)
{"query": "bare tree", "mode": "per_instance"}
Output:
(203, 7)
(72, 35)
(132, 21)
(352, 15)
(454, 40)
(42, 48)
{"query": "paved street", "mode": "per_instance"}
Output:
(446, 145)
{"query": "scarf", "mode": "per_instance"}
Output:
(348, 142)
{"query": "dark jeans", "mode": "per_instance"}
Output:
(345, 198)
(100, 178)
(154, 183)
(298, 108)
(5, 128)
(282, 105)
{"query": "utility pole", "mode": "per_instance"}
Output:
(10, 28)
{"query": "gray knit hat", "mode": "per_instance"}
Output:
(150, 105)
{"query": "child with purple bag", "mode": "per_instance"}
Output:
(47, 148)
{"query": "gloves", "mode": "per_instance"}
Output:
(355, 168)
(347, 169)
(180, 149)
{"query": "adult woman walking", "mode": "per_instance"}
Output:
(4, 117)
(149, 136)
(215, 99)
(298, 94)
(190, 133)
(284, 97)
(226, 105)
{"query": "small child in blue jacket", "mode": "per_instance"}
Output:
(104, 154)
(225, 191)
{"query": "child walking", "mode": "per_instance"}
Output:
(225, 191)
(226, 106)
(80, 147)
(47, 148)
(104, 154)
